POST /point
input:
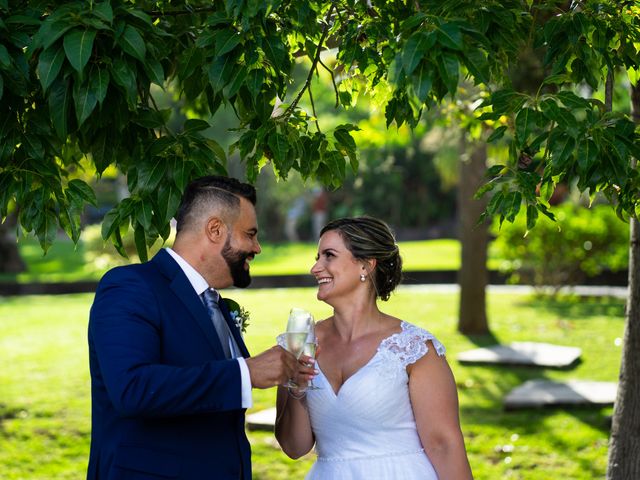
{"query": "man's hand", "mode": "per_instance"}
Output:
(272, 367)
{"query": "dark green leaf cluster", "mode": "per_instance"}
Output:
(77, 81)
(557, 135)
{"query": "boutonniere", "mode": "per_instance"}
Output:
(238, 314)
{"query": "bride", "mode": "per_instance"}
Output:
(386, 406)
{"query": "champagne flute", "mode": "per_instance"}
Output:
(310, 347)
(296, 334)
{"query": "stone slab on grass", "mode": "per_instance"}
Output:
(262, 420)
(523, 353)
(546, 393)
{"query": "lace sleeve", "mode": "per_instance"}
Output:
(410, 345)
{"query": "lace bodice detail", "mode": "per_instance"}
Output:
(410, 345)
(368, 427)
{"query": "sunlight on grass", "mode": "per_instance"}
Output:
(45, 398)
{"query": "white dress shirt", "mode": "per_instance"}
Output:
(199, 284)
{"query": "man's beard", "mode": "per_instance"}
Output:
(235, 260)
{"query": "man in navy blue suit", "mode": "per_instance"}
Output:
(167, 400)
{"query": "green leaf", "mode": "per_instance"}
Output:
(103, 11)
(49, 65)
(497, 134)
(154, 71)
(144, 214)
(99, 81)
(345, 139)
(103, 151)
(80, 190)
(168, 202)
(476, 62)
(205, 39)
(189, 61)
(70, 223)
(237, 80)
(47, 230)
(275, 51)
(415, 49)
(5, 58)
(511, 205)
(587, 156)
(132, 43)
(571, 100)
(151, 173)
(78, 45)
(525, 124)
(422, 81)
(449, 35)
(448, 68)
(562, 147)
(217, 150)
(506, 101)
(1, 92)
(558, 79)
(532, 216)
(195, 125)
(140, 241)
(279, 148)
(181, 173)
(140, 15)
(85, 101)
(59, 102)
(125, 76)
(255, 79)
(226, 40)
(220, 72)
(49, 32)
(413, 21)
(33, 146)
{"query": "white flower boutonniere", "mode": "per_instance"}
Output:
(238, 314)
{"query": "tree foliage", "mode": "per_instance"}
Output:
(76, 82)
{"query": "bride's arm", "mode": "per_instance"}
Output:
(293, 426)
(435, 406)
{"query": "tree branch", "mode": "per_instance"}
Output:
(314, 65)
(176, 13)
(313, 109)
(608, 91)
(333, 81)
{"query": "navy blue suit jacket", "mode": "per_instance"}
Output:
(165, 401)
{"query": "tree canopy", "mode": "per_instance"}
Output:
(77, 81)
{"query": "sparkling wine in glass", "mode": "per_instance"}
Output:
(310, 346)
(296, 334)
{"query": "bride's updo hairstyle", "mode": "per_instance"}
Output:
(368, 238)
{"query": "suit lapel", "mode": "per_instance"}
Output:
(235, 331)
(179, 284)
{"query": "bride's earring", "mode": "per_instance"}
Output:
(362, 277)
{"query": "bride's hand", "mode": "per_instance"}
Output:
(306, 371)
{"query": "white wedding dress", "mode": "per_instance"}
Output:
(367, 431)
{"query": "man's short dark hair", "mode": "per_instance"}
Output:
(210, 192)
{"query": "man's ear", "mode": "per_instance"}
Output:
(216, 230)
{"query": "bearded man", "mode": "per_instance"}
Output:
(171, 377)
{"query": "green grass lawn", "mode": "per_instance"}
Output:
(65, 262)
(45, 397)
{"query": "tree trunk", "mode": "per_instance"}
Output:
(473, 274)
(624, 444)
(10, 260)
